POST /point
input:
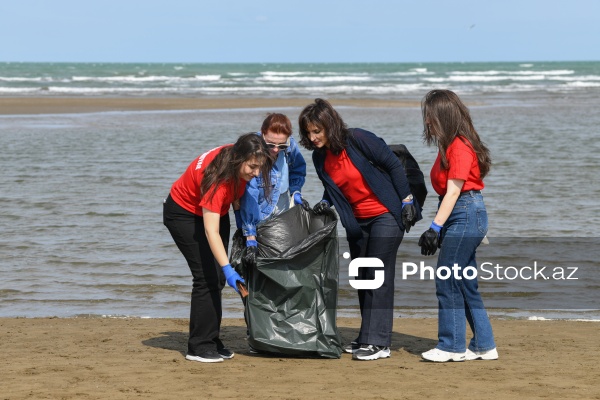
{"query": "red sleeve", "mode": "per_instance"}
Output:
(217, 200)
(460, 160)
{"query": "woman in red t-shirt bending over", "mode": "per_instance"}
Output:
(458, 227)
(197, 216)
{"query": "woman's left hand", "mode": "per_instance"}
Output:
(409, 215)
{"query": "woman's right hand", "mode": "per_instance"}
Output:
(232, 277)
(322, 207)
(251, 253)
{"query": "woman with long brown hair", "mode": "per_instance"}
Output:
(367, 185)
(458, 228)
(196, 212)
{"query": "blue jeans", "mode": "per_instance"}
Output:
(459, 300)
(381, 238)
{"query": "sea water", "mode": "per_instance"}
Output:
(81, 224)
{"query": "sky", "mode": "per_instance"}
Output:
(260, 31)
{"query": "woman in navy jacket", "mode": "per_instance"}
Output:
(367, 185)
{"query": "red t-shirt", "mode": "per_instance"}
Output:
(353, 185)
(463, 164)
(186, 190)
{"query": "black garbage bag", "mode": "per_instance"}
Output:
(292, 301)
(238, 249)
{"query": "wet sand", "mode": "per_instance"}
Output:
(68, 105)
(95, 358)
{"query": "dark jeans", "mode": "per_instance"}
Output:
(381, 238)
(187, 230)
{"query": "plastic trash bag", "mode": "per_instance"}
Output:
(292, 301)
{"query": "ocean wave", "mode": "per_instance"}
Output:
(582, 84)
(276, 73)
(496, 72)
(293, 87)
(576, 78)
(144, 79)
(316, 79)
(20, 79)
(481, 78)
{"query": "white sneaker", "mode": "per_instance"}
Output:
(482, 355)
(437, 355)
(208, 356)
(369, 352)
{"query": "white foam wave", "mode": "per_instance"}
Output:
(291, 88)
(209, 78)
(316, 79)
(576, 78)
(495, 72)
(8, 90)
(480, 78)
(24, 79)
(142, 79)
(581, 84)
(276, 73)
(411, 73)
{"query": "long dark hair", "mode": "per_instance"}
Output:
(226, 166)
(322, 114)
(445, 118)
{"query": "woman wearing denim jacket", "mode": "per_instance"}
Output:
(367, 184)
(458, 227)
(287, 176)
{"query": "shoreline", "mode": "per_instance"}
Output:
(99, 358)
(77, 105)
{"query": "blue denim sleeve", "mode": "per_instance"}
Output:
(249, 209)
(297, 167)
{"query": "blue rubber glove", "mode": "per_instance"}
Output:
(298, 198)
(238, 218)
(232, 276)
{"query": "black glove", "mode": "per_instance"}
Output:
(322, 207)
(305, 206)
(430, 240)
(409, 215)
(251, 253)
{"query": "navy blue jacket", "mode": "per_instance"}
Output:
(382, 171)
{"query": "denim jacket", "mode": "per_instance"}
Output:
(254, 207)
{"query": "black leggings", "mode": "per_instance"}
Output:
(187, 230)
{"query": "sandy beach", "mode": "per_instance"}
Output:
(96, 358)
(102, 358)
(59, 105)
